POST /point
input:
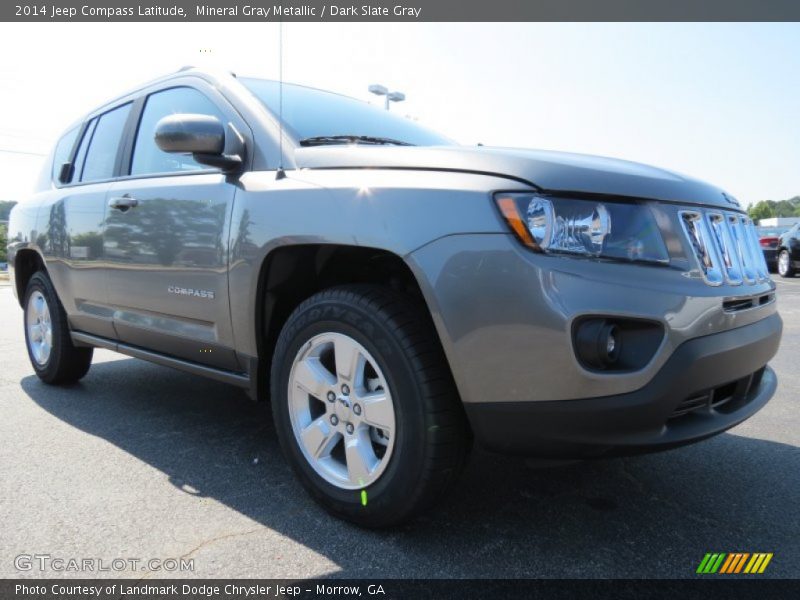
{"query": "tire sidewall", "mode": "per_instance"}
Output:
(787, 272)
(389, 493)
(40, 284)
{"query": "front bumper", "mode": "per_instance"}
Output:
(708, 385)
(504, 317)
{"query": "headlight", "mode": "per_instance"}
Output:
(622, 231)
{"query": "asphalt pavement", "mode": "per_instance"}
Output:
(140, 461)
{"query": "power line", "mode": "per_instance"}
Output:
(23, 136)
(22, 152)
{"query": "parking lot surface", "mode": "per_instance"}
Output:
(140, 461)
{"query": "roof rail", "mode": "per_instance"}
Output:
(190, 67)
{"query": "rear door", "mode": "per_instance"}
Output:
(166, 243)
(84, 165)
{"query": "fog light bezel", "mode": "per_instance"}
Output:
(637, 341)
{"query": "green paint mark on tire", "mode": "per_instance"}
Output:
(363, 497)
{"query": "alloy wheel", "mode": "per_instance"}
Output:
(341, 410)
(40, 328)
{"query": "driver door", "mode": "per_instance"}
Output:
(166, 244)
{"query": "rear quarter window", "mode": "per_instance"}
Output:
(63, 153)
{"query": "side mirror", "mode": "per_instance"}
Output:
(202, 136)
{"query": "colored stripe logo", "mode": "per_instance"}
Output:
(734, 562)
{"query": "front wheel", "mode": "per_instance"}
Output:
(365, 407)
(50, 349)
(785, 268)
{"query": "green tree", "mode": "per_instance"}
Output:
(766, 209)
(5, 208)
(3, 242)
(760, 210)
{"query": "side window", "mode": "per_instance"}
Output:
(63, 152)
(148, 159)
(80, 155)
(104, 143)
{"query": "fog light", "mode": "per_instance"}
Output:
(598, 343)
(611, 344)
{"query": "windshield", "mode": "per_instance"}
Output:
(311, 113)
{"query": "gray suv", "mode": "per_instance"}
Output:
(392, 294)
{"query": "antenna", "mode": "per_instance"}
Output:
(280, 173)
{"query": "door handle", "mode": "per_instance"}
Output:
(124, 203)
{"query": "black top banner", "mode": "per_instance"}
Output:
(403, 10)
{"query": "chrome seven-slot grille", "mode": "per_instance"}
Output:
(726, 246)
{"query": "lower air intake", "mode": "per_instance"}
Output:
(724, 398)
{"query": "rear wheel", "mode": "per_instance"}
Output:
(365, 407)
(785, 268)
(50, 349)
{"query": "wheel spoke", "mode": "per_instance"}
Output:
(39, 327)
(313, 377)
(378, 410)
(349, 361)
(351, 443)
(360, 460)
(319, 438)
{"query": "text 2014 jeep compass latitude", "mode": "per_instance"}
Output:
(393, 294)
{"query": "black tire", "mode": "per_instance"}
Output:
(432, 438)
(788, 271)
(66, 362)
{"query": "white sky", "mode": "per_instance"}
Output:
(717, 101)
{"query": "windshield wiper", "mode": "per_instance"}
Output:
(322, 140)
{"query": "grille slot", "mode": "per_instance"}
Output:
(726, 247)
(698, 402)
(737, 304)
(723, 398)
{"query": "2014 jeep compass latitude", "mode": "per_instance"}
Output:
(391, 293)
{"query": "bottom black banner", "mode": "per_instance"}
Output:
(390, 589)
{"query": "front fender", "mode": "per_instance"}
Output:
(393, 210)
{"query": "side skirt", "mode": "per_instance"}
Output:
(85, 339)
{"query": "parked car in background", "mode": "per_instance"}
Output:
(768, 238)
(788, 252)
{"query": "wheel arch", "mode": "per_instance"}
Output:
(288, 275)
(27, 261)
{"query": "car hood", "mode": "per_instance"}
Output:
(549, 171)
